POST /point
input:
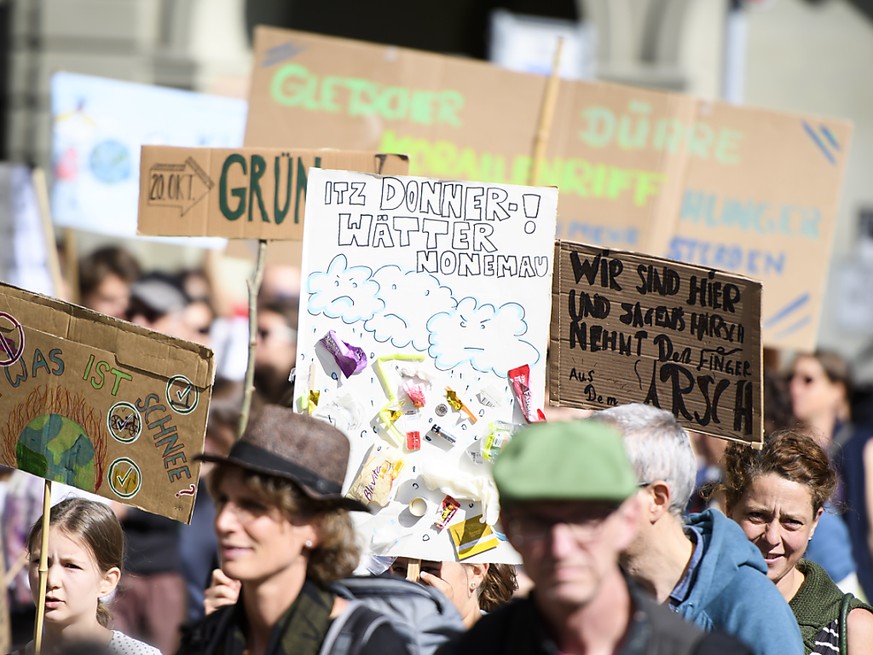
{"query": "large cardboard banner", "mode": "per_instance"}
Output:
(101, 404)
(747, 190)
(634, 328)
(242, 193)
(419, 297)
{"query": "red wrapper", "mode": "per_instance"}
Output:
(520, 378)
(447, 510)
(413, 440)
(415, 393)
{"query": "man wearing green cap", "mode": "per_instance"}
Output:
(570, 506)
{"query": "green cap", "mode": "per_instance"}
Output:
(572, 460)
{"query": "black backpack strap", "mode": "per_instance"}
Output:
(351, 630)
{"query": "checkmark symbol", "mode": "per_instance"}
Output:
(123, 479)
(183, 394)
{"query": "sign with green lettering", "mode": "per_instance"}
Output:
(242, 193)
(747, 190)
(100, 404)
(632, 328)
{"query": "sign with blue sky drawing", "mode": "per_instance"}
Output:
(424, 320)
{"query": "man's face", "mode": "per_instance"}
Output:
(276, 344)
(570, 547)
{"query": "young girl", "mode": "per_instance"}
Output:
(86, 547)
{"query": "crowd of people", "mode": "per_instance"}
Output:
(636, 536)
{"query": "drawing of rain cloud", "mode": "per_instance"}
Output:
(343, 291)
(411, 299)
(484, 337)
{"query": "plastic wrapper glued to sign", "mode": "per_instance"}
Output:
(634, 328)
(430, 292)
(101, 404)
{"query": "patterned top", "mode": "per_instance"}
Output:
(119, 644)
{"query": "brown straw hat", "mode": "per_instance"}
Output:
(310, 453)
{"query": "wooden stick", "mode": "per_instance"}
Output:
(41, 189)
(413, 570)
(547, 113)
(43, 567)
(71, 264)
(254, 287)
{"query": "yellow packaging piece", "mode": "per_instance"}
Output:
(376, 479)
(472, 537)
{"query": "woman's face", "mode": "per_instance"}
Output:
(777, 516)
(813, 395)
(256, 541)
(459, 582)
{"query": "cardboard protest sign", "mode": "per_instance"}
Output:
(771, 217)
(101, 404)
(28, 259)
(419, 297)
(635, 167)
(241, 193)
(633, 328)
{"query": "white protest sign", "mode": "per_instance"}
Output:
(444, 286)
(26, 262)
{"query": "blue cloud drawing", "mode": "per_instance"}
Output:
(484, 336)
(410, 299)
(343, 291)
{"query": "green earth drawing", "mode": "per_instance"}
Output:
(54, 447)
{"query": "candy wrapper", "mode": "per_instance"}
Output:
(499, 434)
(458, 405)
(520, 378)
(472, 537)
(376, 479)
(342, 410)
(350, 359)
(416, 393)
(447, 510)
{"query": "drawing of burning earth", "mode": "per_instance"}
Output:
(49, 435)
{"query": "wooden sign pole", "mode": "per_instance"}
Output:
(254, 287)
(43, 567)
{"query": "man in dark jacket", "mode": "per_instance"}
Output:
(570, 506)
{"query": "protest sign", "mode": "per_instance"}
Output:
(419, 296)
(98, 127)
(635, 167)
(101, 404)
(27, 261)
(633, 328)
(241, 193)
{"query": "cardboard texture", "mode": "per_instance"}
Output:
(633, 328)
(747, 190)
(418, 297)
(100, 404)
(241, 193)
